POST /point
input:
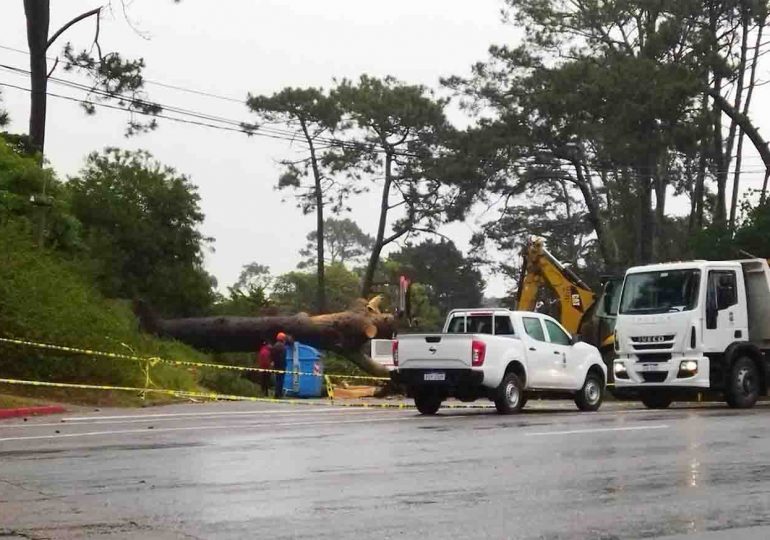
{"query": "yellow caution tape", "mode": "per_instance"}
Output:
(329, 388)
(156, 359)
(203, 395)
(228, 397)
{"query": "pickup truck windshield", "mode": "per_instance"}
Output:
(471, 324)
(666, 291)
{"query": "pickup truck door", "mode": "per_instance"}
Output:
(563, 355)
(541, 371)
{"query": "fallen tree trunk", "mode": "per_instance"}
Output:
(345, 332)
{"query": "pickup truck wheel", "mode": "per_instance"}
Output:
(656, 401)
(511, 395)
(427, 403)
(743, 384)
(589, 398)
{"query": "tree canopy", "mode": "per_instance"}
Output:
(141, 223)
(344, 242)
(449, 279)
(113, 77)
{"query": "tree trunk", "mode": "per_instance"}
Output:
(379, 241)
(345, 332)
(747, 103)
(646, 224)
(660, 212)
(319, 211)
(720, 214)
(37, 13)
(736, 182)
(724, 168)
(696, 219)
(594, 217)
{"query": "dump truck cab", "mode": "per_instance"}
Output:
(690, 327)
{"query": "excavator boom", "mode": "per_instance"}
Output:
(543, 269)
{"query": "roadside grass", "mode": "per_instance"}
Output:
(9, 401)
(47, 298)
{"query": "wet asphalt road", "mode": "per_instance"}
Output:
(276, 471)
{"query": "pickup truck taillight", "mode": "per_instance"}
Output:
(478, 351)
(395, 352)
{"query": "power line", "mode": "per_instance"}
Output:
(203, 119)
(271, 133)
(166, 117)
(155, 83)
(293, 136)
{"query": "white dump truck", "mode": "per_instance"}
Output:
(693, 327)
(505, 356)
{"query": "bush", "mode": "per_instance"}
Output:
(44, 297)
(229, 382)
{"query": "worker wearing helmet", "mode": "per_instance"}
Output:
(278, 356)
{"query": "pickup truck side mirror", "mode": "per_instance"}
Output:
(576, 338)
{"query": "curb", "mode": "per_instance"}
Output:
(31, 411)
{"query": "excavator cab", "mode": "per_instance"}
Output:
(598, 324)
(580, 309)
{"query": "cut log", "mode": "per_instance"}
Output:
(345, 332)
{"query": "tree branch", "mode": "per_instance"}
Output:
(53, 68)
(744, 122)
(396, 235)
(60, 31)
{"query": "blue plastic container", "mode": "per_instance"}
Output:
(304, 378)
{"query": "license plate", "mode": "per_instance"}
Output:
(651, 367)
(434, 377)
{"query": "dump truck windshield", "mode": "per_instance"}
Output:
(667, 291)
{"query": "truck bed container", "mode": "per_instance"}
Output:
(757, 276)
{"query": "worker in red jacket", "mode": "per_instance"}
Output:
(278, 355)
(263, 362)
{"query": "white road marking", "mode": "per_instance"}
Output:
(204, 427)
(139, 419)
(596, 430)
(317, 408)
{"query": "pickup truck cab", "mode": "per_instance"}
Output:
(505, 356)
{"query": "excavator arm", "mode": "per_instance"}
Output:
(543, 269)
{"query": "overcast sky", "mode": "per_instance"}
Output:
(259, 46)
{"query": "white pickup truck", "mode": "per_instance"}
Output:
(505, 356)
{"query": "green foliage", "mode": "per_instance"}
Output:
(604, 100)
(294, 292)
(344, 242)
(426, 315)
(752, 236)
(396, 129)
(140, 222)
(45, 298)
(312, 114)
(22, 183)
(249, 296)
(229, 382)
(4, 118)
(447, 278)
(334, 364)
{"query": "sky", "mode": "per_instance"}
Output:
(259, 46)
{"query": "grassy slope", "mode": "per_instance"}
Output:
(46, 298)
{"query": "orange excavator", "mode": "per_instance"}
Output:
(580, 310)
